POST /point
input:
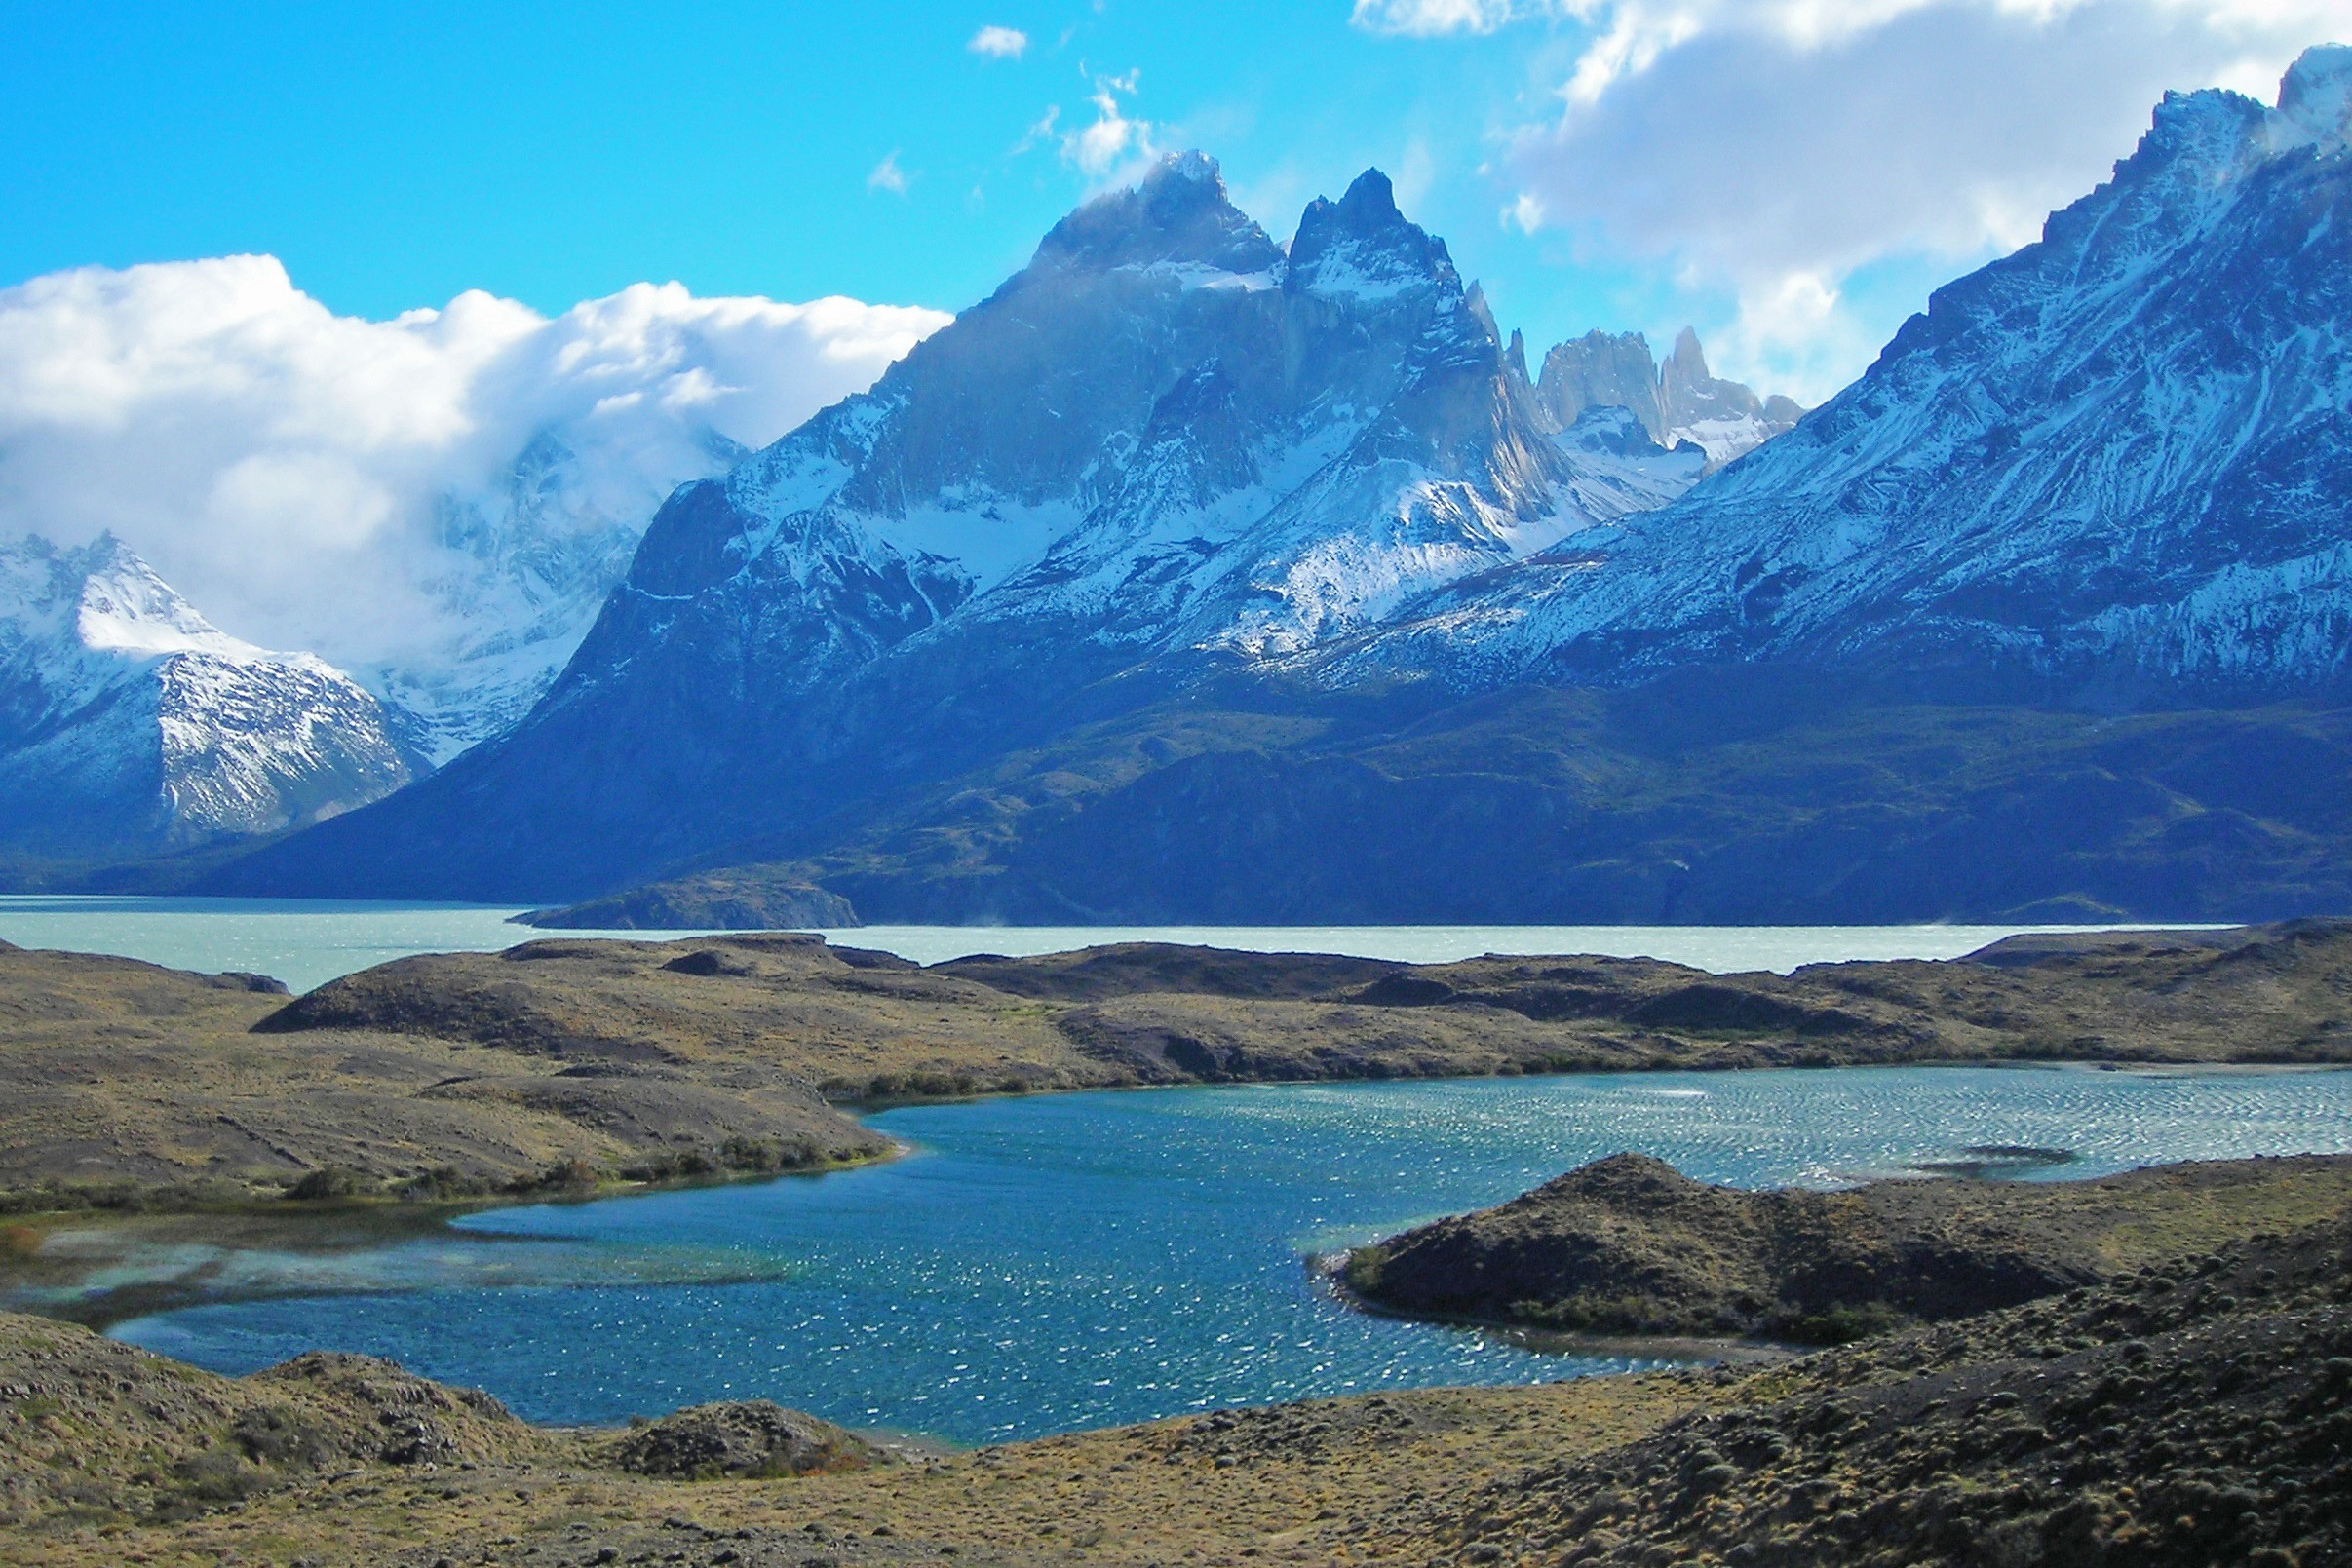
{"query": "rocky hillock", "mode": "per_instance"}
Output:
(2186, 1413)
(1629, 1245)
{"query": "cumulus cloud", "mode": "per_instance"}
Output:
(999, 43)
(1769, 150)
(287, 468)
(1100, 147)
(887, 175)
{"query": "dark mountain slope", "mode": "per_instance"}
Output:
(1164, 445)
(1186, 579)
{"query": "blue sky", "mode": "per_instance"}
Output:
(1791, 177)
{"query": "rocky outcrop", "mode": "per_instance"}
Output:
(2181, 1414)
(1629, 1245)
(747, 1440)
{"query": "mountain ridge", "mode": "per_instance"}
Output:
(126, 718)
(2103, 463)
(1183, 579)
(1342, 428)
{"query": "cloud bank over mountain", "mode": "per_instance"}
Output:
(1780, 150)
(294, 472)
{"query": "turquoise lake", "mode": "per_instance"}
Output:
(1044, 1264)
(307, 942)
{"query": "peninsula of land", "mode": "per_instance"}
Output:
(1629, 1245)
(572, 1064)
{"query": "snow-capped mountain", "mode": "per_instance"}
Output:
(1132, 583)
(1168, 443)
(129, 722)
(1164, 430)
(1677, 401)
(2117, 463)
(436, 503)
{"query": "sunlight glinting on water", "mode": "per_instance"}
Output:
(1081, 1260)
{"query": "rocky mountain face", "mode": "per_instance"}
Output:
(1191, 578)
(130, 722)
(2110, 467)
(1677, 401)
(1165, 446)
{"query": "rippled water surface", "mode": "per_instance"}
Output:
(307, 942)
(1079, 1260)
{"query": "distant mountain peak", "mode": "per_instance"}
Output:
(123, 607)
(1688, 357)
(1363, 244)
(129, 721)
(1681, 400)
(2315, 99)
(1369, 203)
(1178, 212)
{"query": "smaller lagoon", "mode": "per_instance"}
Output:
(1045, 1264)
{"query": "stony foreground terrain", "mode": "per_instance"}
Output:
(2192, 1410)
(574, 1063)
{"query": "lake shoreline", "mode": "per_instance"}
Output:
(1990, 1411)
(316, 1227)
(313, 1226)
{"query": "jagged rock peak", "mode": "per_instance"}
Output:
(1602, 370)
(1177, 214)
(1688, 358)
(116, 601)
(1362, 244)
(2315, 99)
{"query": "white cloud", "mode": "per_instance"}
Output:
(1432, 18)
(999, 43)
(887, 175)
(1039, 133)
(1769, 149)
(1098, 148)
(282, 465)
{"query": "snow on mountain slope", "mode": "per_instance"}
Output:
(1167, 444)
(127, 721)
(2120, 459)
(437, 503)
(1165, 433)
